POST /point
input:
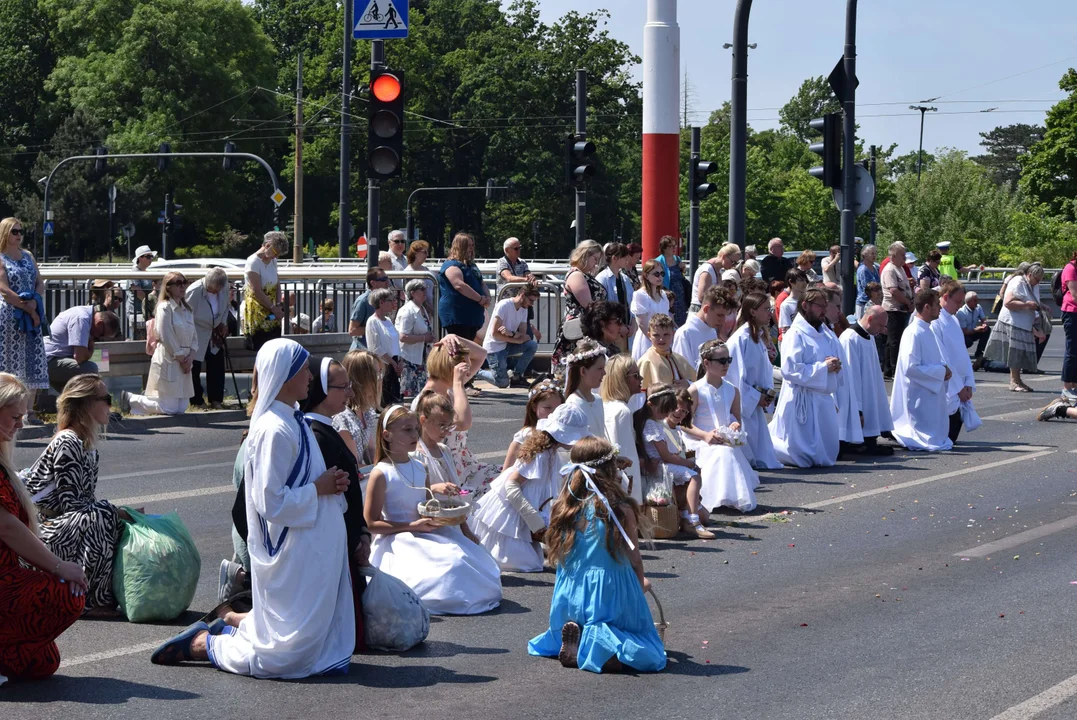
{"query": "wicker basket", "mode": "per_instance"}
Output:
(666, 520)
(443, 514)
(661, 625)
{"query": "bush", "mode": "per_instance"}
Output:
(198, 251)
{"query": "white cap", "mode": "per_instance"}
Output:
(731, 274)
(942, 245)
(144, 250)
(567, 424)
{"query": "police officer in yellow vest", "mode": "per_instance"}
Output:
(949, 265)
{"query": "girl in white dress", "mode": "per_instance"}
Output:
(543, 398)
(511, 519)
(665, 455)
(586, 368)
(451, 574)
(728, 477)
(752, 373)
(649, 300)
(621, 385)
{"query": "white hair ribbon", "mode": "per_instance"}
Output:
(389, 411)
(326, 362)
(588, 474)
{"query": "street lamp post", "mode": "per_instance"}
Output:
(923, 110)
(410, 218)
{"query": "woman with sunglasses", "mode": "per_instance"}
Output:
(75, 525)
(171, 386)
(21, 289)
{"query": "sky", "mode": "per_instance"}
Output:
(963, 52)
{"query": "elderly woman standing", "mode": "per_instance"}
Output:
(208, 299)
(74, 523)
(262, 309)
(170, 386)
(22, 346)
(36, 605)
(930, 277)
(383, 340)
(418, 252)
(463, 301)
(867, 272)
(416, 333)
(806, 263)
(1013, 339)
(581, 289)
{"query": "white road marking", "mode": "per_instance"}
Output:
(1019, 539)
(1029, 414)
(167, 471)
(931, 478)
(494, 421)
(500, 454)
(216, 450)
(178, 495)
(1046, 700)
(118, 652)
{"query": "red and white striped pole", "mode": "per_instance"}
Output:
(661, 126)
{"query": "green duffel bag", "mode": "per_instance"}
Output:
(156, 569)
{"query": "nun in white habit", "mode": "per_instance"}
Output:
(918, 401)
(303, 619)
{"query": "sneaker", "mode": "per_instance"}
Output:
(229, 584)
(570, 645)
(1054, 409)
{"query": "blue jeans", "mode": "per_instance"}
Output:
(515, 357)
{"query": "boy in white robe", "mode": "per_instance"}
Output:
(863, 354)
(303, 619)
(918, 401)
(805, 426)
(703, 325)
(951, 339)
(847, 396)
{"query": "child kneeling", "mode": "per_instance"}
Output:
(511, 519)
(599, 617)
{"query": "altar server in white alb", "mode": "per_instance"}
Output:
(918, 402)
(805, 427)
(951, 339)
(863, 357)
(303, 619)
(752, 374)
(847, 396)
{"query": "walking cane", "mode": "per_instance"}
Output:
(232, 369)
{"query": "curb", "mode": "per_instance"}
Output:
(135, 425)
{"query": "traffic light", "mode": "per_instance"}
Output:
(579, 163)
(385, 143)
(229, 162)
(829, 148)
(699, 188)
(162, 162)
(101, 163)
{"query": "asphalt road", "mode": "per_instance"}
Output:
(879, 597)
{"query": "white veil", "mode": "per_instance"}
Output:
(278, 361)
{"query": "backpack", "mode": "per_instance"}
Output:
(1057, 291)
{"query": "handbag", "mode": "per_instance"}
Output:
(152, 341)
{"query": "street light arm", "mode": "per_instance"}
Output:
(407, 206)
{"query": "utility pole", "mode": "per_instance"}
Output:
(111, 218)
(297, 223)
(848, 199)
(874, 199)
(581, 135)
(373, 189)
(693, 207)
(738, 134)
(923, 109)
(343, 222)
(166, 228)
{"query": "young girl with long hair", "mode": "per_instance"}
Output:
(649, 300)
(665, 450)
(357, 421)
(620, 388)
(511, 519)
(752, 373)
(728, 477)
(599, 617)
(450, 573)
(586, 368)
(542, 399)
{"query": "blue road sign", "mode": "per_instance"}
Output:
(49, 228)
(380, 19)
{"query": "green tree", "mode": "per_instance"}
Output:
(1006, 148)
(1050, 169)
(813, 100)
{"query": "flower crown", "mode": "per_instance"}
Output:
(593, 465)
(543, 386)
(662, 393)
(585, 355)
(708, 347)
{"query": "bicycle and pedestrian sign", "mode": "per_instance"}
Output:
(380, 19)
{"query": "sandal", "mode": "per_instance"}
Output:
(1016, 387)
(178, 649)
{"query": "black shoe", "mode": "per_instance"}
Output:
(879, 451)
(570, 645)
(519, 382)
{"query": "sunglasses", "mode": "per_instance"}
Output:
(398, 242)
(107, 399)
(16, 231)
(383, 278)
(720, 361)
(179, 282)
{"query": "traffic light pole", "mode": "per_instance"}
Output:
(343, 222)
(848, 214)
(874, 225)
(166, 227)
(581, 133)
(693, 208)
(738, 132)
(373, 188)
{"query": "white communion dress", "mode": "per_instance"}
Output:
(499, 525)
(451, 574)
(728, 477)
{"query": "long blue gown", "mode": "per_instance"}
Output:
(604, 596)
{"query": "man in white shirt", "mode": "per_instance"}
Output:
(947, 331)
(864, 370)
(703, 324)
(918, 402)
(507, 343)
(397, 250)
(973, 321)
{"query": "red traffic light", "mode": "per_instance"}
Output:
(386, 87)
